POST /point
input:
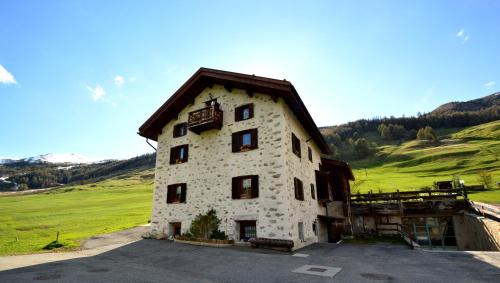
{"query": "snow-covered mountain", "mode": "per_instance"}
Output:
(68, 158)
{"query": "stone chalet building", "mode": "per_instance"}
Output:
(247, 147)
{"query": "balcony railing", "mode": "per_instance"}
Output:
(204, 119)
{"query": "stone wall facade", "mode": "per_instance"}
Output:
(212, 164)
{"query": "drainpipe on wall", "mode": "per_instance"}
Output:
(147, 141)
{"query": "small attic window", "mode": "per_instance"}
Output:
(243, 112)
(180, 130)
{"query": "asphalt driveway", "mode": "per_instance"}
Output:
(164, 261)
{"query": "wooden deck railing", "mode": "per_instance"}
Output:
(206, 118)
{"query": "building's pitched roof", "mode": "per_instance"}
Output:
(337, 164)
(206, 77)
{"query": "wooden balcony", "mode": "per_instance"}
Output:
(205, 119)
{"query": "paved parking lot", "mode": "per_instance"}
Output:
(164, 261)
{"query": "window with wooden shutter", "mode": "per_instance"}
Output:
(296, 145)
(243, 112)
(322, 186)
(179, 154)
(180, 130)
(245, 187)
(244, 140)
(176, 193)
(299, 189)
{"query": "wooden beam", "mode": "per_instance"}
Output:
(249, 92)
(274, 97)
(228, 87)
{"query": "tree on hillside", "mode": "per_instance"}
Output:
(363, 148)
(427, 133)
(392, 131)
(485, 179)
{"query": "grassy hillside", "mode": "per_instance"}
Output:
(416, 164)
(29, 222)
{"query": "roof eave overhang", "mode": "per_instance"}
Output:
(344, 166)
(207, 77)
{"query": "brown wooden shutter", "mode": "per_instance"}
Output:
(237, 114)
(255, 186)
(172, 155)
(235, 188)
(183, 192)
(296, 145)
(169, 194)
(295, 186)
(255, 138)
(236, 142)
(250, 107)
(301, 190)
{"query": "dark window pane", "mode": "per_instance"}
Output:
(296, 145)
(180, 130)
(176, 193)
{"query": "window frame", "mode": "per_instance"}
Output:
(309, 153)
(296, 147)
(237, 140)
(313, 192)
(176, 131)
(237, 187)
(175, 153)
(172, 191)
(298, 189)
(246, 223)
(238, 112)
(300, 228)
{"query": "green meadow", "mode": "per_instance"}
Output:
(416, 164)
(30, 222)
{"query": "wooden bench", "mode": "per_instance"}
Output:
(286, 245)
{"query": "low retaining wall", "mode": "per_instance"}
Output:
(206, 244)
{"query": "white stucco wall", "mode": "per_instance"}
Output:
(211, 165)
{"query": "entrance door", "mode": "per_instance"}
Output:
(175, 228)
(335, 231)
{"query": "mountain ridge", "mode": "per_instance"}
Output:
(488, 101)
(55, 158)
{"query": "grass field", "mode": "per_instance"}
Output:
(29, 222)
(415, 164)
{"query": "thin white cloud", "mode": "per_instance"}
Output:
(489, 84)
(466, 38)
(97, 92)
(463, 36)
(119, 80)
(6, 77)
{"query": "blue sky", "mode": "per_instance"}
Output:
(82, 76)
